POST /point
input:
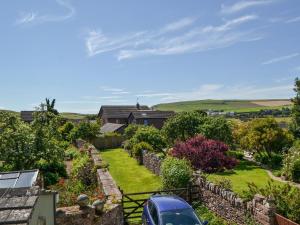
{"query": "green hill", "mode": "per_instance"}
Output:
(225, 105)
(67, 115)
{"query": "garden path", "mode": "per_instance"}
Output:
(269, 172)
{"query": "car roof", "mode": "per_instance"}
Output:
(169, 202)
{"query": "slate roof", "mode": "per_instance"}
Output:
(111, 127)
(18, 196)
(27, 116)
(17, 204)
(120, 111)
(151, 114)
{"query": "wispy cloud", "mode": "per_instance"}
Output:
(284, 79)
(100, 97)
(242, 5)
(179, 24)
(26, 18)
(165, 41)
(281, 58)
(293, 20)
(114, 91)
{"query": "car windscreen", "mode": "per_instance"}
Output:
(180, 217)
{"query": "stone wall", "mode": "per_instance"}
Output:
(88, 215)
(232, 208)
(262, 209)
(152, 162)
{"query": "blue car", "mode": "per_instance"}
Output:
(169, 210)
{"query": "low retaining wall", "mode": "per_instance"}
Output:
(152, 162)
(112, 213)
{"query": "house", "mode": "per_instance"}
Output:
(113, 128)
(27, 116)
(150, 117)
(118, 113)
(23, 202)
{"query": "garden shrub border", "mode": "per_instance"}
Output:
(113, 212)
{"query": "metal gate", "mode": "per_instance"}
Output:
(133, 203)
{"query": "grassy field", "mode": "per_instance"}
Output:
(243, 173)
(130, 176)
(69, 115)
(226, 105)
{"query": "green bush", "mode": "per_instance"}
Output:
(139, 147)
(217, 128)
(65, 130)
(291, 164)
(128, 144)
(150, 135)
(130, 130)
(83, 170)
(224, 183)
(51, 171)
(72, 153)
(175, 173)
(85, 130)
(236, 154)
(296, 171)
(273, 161)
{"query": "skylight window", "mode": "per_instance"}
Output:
(18, 179)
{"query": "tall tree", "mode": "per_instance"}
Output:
(50, 106)
(295, 126)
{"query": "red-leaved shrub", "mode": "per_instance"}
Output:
(205, 154)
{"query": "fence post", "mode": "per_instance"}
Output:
(122, 204)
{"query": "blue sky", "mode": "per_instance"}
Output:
(88, 53)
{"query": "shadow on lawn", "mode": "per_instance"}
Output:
(243, 165)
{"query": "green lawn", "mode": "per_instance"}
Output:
(245, 172)
(130, 176)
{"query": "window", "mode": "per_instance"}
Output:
(146, 122)
(178, 217)
(153, 213)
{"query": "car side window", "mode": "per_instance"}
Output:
(154, 215)
(150, 206)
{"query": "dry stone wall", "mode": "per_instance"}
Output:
(232, 208)
(152, 162)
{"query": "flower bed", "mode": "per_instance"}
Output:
(100, 190)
